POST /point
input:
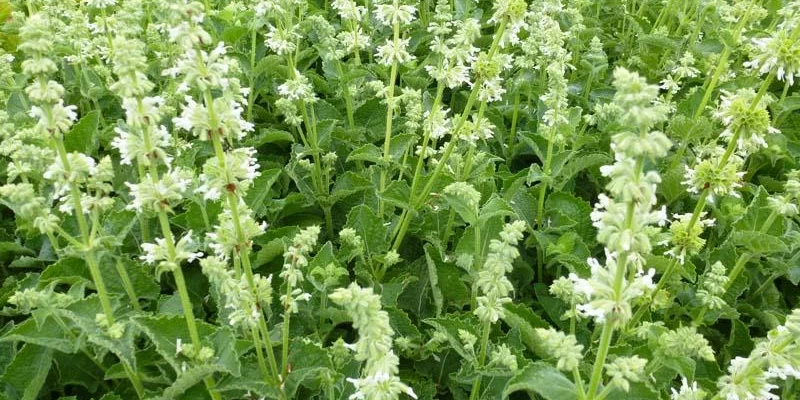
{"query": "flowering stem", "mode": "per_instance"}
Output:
(262, 365)
(127, 285)
(619, 277)
(602, 353)
(763, 89)
(576, 377)
(723, 62)
(287, 315)
(143, 223)
(418, 169)
(94, 269)
(512, 135)
(542, 192)
(416, 201)
(387, 141)
(348, 100)
(251, 94)
(476, 386)
(273, 365)
(183, 294)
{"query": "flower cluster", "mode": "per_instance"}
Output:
(296, 259)
(379, 378)
(491, 279)
(624, 221)
(242, 304)
(168, 256)
(713, 285)
(564, 348)
(776, 357)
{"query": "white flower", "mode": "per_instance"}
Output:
(687, 391)
(379, 386)
(298, 88)
(391, 52)
(169, 257)
(491, 90)
(281, 41)
(745, 381)
(348, 10)
(394, 13)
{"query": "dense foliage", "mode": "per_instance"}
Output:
(292, 199)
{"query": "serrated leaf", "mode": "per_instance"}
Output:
(368, 152)
(259, 193)
(433, 276)
(164, 331)
(522, 318)
(397, 194)
(402, 324)
(576, 165)
(348, 184)
(49, 335)
(28, 372)
(82, 137)
(544, 380)
(759, 243)
(496, 206)
(188, 378)
(371, 229)
(463, 207)
(450, 326)
(400, 144)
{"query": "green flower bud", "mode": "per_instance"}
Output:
(564, 348)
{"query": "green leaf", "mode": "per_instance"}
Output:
(450, 325)
(368, 152)
(463, 207)
(259, 193)
(188, 378)
(26, 375)
(402, 324)
(524, 205)
(348, 184)
(77, 369)
(577, 211)
(397, 194)
(544, 380)
(49, 335)
(164, 331)
(8, 249)
(371, 229)
(759, 243)
(521, 317)
(432, 259)
(576, 165)
(82, 137)
(496, 206)
(682, 365)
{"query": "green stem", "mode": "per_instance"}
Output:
(287, 315)
(721, 64)
(576, 377)
(476, 386)
(273, 364)
(126, 283)
(348, 100)
(183, 294)
(433, 179)
(512, 135)
(387, 141)
(262, 365)
(602, 353)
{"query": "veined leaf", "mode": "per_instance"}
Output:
(544, 380)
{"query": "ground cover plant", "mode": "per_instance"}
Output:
(302, 199)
